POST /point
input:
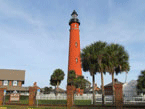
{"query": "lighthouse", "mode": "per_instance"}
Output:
(74, 62)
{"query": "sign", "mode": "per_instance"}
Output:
(15, 96)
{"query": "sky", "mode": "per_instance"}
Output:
(34, 35)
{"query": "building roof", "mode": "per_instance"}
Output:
(8, 74)
(130, 85)
(115, 81)
(17, 88)
(59, 90)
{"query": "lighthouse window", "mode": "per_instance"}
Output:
(76, 44)
(76, 60)
(75, 25)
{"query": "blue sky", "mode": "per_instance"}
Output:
(34, 34)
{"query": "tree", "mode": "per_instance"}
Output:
(53, 83)
(141, 82)
(93, 59)
(100, 50)
(47, 90)
(58, 76)
(71, 77)
(80, 82)
(100, 57)
(126, 68)
(116, 61)
(88, 59)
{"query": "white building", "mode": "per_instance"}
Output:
(129, 89)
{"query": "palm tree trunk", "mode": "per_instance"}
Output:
(113, 89)
(126, 77)
(57, 84)
(55, 92)
(103, 94)
(93, 80)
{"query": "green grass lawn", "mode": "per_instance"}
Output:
(31, 107)
(44, 107)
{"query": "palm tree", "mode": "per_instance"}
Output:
(100, 51)
(126, 77)
(53, 83)
(97, 57)
(116, 61)
(58, 76)
(89, 61)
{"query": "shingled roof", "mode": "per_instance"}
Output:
(115, 81)
(8, 74)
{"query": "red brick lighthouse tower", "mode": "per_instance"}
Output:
(74, 62)
(74, 45)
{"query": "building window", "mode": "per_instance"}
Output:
(76, 60)
(76, 44)
(14, 83)
(5, 83)
(75, 25)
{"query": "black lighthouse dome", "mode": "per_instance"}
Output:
(74, 18)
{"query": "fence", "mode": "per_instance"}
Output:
(129, 97)
(134, 97)
(107, 99)
(51, 99)
(61, 98)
